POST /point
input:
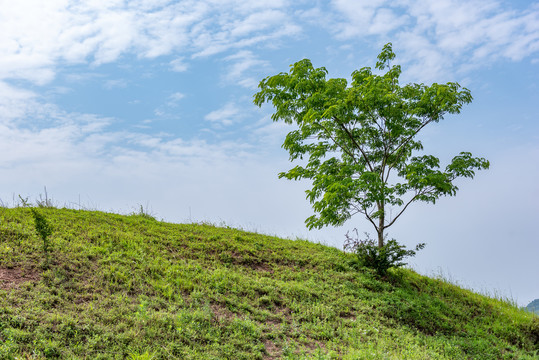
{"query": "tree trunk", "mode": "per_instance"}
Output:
(380, 237)
(380, 228)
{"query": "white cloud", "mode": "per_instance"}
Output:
(385, 21)
(441, 37)
(256, 25)
(80, 155)
(167, 109)
(36, 35)
(270, 132)
(70, 142)
(256, 22)
(115, 84)
(178, 65)
(13, 102)
(174, 98)
(367, 18)
(244, 62)
(425, 61)
(224, 116)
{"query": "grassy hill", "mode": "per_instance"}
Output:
(132, 287)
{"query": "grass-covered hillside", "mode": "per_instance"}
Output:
(130, 287)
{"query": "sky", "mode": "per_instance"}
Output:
(113, 105)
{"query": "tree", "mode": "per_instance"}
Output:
(359, 140)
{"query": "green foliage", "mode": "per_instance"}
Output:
(381, 259)
(43, 228)
(122, 287)
(359, 140)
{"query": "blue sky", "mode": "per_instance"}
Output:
(113, 104)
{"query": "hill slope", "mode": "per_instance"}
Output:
(132, 287)
(533, 306)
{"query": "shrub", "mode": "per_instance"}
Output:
(43, 228)
(378, 258)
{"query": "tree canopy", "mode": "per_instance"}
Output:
(359, 140)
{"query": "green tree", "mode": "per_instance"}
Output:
(359, 140)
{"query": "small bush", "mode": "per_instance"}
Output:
(380, 259)
(43, 228)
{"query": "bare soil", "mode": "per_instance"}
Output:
(12, 278)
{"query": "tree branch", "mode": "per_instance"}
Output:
(410, 137)
(328, 133)
(387, 175)
(370, 219)
(400, 213)
(409, 202)
(355, 143)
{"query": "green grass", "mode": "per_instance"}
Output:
(130, 287)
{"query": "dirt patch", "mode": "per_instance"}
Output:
(12, 278)
(272, 350)
(264, 267)
(222, 313)
(314, 345)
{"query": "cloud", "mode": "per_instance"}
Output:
(441, 37)
(115, 84)
(35, 36)
(225, 116)
(270, 133)
(79, 154)
(244, 62)
(178, 65)
(174, 98)
(68, 143)
(256, 22)
(13, 102)
(367, 18)
(167, 108)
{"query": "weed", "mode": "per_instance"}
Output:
(143, 213)
(44, 201)
(44, 230)
(23, 201)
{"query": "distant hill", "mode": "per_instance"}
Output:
(131, 287)
(533, 306)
